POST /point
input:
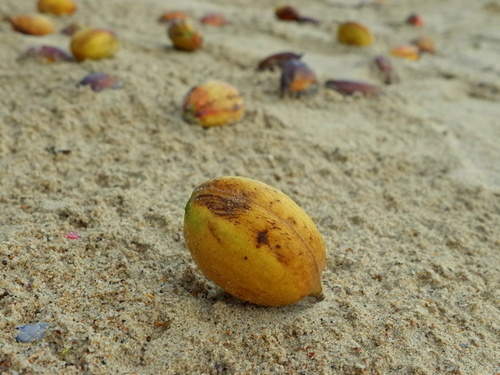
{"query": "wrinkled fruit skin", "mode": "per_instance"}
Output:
(254, 241)
(94, 44)
(184, 36)
(213, 104)
(355, 34)
(57, 7)
(32, 25)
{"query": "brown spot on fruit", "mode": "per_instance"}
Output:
(222, 206)
(262, 238)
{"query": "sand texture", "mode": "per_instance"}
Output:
(404, 187)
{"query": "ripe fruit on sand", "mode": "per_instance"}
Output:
(254, 241)
(32, 25)
(297, 79)
(184, 36)
(56, 7)
(94, 44)
(213, 103)
(355, 34)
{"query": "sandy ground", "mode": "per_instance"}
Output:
(405, 189)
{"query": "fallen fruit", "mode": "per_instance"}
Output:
(32, 25)
(353, 33)
(100, 81)
(384, 65)
(56, 7)
(289, 13)
(72, 29)
(425, 44)
(94, 44)
(184, 36)
(213, 103)
(254, 241)
(409, 52)
(415, 20)
(46, 54)
(214, 19)
(277, 60)
(171, 16)
(350, 87)
(297, 79)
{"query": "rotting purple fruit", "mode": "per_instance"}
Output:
(46, 54)
(100, 81)
(277, 60)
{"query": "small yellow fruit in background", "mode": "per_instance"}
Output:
(213, 103)
(94, 44)
(32, 25)
(184, 36)
(254, 241)
(353, 33)
(407, 51)
(56, 7)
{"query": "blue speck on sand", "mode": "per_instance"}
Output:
(464, 345)
(31, 332)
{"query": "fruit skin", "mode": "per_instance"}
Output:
(56, 7)
(100, 81)
(353, 33)
(277, 60)
(32, 25)
(254, 241)
(297, 79)
(94, 44)
(407, 51)
(351, 87)
(214, 19)
(213, 103)
(184, 36)
(46, 54)
(171, 16)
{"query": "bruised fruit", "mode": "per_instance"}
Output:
(415, 19)
(45, 54)
(56, 7)
(100, 81)
(184, 36)
(297, 79)
(214, 19)
(277, 60)
(94, 44)
(32, 25)
(409, 52)
(254, 241)
(355, 34)
(213, 103)
(351, 87)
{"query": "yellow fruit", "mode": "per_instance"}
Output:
(56, 7)
(184, 36)
(409, 52)
(426, 44)
(213, 103)
(94, 44)
(254, 241)
(32, 25)
(353, 33)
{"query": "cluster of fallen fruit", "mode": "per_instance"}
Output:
(248, 237)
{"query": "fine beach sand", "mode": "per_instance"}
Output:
(405, 189)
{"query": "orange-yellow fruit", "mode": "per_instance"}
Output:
(184, 36)
(171, 16)
(32, 25)
(213, 103)
(254, 241)
(297, 79)
(409, 52)
(214, 19)
(56, 7)
(426, 44)
(353, 33)
(94, 44)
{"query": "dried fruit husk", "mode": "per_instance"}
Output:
(351, 87)
(277, 60)
(100, 81)
(297, 79)
(45, 54)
